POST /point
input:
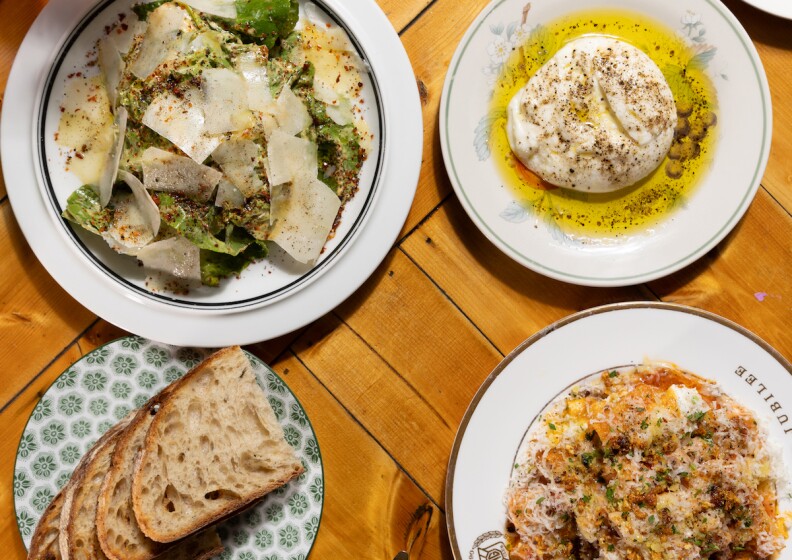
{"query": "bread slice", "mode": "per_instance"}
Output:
(45, 545)
(116, 527)
(77, 539)
(214, 447)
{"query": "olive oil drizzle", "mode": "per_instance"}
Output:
(645, 204)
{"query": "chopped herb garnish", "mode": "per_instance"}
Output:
(613, 373)
(540, 500)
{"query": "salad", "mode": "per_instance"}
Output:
(213, 130)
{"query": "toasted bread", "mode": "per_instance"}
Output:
(117, 530)
(77, 539)
(45, 545)
(214, 447)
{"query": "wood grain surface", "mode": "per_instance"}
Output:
(387, 376)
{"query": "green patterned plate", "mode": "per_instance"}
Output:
(94, 393)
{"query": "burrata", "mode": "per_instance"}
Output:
(597, 117)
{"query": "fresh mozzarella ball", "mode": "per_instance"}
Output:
(597, 117)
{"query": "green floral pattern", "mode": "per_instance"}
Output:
(93, 394)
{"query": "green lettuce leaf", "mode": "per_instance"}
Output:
(143, 10)
(83, 209)
(254, 217)
(216, 266)
(265, 21)
(200, 224)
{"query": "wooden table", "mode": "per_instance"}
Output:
(386, 377)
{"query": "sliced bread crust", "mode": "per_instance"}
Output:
(77, 539)
(119, 534)
(45, 545)
(214, 447)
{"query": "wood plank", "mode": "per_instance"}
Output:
(369, 500)
(402, 12)
(38, 318)
(746, 277)
(431, 43)
(410, 389)
(773, 41)
(435, 340)
(507, 301)
(421, 440)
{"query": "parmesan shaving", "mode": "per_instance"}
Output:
(167, 172)
(112, 66)
(254, 71)
(174, 257)
(303, 213)
(225, 101)
(113, 158)
(130, 230)
(181, 120)
(289, 157)
(228, 196)
(148, 208)
(291, 113)
(167, 35)
(238, 159)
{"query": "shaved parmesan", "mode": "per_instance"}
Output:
(113, 158)
(168, 34)
(123, 39)
(112, 67)
(167, 172)
(289, 157)
(228, 196)
(254, 72)
(304, 213)
(291, 113)
(225, 101)
(338, 108)
(181, 120)
(238, 159)
(175, 257)
(146, 204)
(130, 230)
(221, 8)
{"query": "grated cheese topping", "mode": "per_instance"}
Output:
(649, 463)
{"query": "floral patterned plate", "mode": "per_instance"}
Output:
(469, 113)
(102, 387)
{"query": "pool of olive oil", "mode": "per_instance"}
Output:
(645, 204)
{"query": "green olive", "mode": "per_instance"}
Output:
(698, 130)
(674, 169)
(684, 108)
(709, 119)
(682, 128)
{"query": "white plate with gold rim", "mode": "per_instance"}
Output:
(535, 373)
(271, 297)
(718, 45)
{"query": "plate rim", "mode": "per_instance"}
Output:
(76, 234)
(762, 6)
(645, 275)
(250, 356)
(536, 337)
(190, 327)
